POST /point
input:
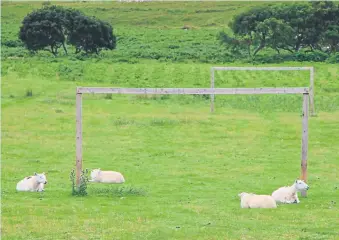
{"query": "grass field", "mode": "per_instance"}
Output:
(183, 166)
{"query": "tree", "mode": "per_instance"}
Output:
(309, 22)
(42, 34)
(235, 45)
(245, 25)
(284, 26)
(52, 27)
(44, 28)
(278, 34)
(299, 17)
(332, 38)
(92, 35)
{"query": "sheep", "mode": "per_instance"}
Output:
(289, 194)
(35, 183)
(251, 200)
(100, 176)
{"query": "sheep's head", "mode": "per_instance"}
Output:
(41, 178)
(95, 173)
(300, 185)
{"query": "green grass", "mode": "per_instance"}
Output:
(183, 166)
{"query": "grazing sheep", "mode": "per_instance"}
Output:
(35, 183)
(106, 176)
(251, 200)
(289, 194)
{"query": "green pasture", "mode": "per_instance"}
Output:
(183, 165)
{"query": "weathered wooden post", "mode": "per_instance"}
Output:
(212, 86)
(304, 140)
(78, 161)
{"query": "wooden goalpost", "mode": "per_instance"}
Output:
(305, 91)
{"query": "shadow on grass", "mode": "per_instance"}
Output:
(103, 190)
(151, 122)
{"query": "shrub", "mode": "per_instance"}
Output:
(82, 191)
(12, 43)
(316, 56)
(334, 58)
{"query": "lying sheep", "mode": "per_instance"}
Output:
(251, 200)
(289, 194)
(106, 176)
(35, 183)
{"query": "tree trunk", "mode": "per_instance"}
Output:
(63, 45)
(287, 49)
(278, 51)
(53, 51)
(261, 45)
(297, 44)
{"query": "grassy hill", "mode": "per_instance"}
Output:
(183, 166)
(146, 30)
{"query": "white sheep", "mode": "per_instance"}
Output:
(290, 194)
(35, 183)
(100, 176)
(251, 200)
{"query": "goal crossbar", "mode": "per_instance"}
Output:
(220, 91)
(305, 91)
(263, 68)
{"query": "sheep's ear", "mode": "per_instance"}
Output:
(44, 173)
(35, 174)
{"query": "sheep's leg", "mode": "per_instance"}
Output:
(289, 201)
(40, 187)
(296, 198)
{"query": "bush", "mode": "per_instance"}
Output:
(316, 56)
(82, 191)
(12, 43)
(334, 58)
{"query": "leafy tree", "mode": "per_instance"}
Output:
(288, 27)
(278, 34)
(52, 27)
(329, 14)
(332, 38)
(44, 28)
(236, 45)
(39, 35)
(299, 17)
(245, 25)
(92, 35)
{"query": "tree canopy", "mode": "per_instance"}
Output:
(52, 27)
(290, 27)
